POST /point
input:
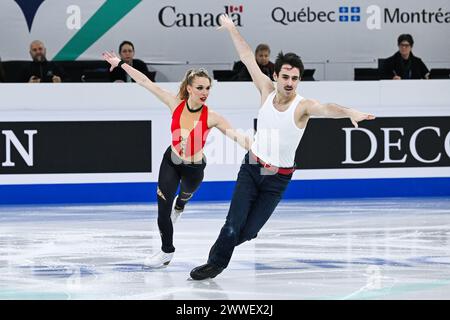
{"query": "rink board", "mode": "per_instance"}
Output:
(92, 143)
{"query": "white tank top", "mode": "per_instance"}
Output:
(277, 136)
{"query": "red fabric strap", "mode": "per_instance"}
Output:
(283, 171)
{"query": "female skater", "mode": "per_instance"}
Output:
(183, 162)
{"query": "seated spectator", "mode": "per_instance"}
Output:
(262, 55)
(126, 52)
(403, 64)
(40, 70)
(2, 73)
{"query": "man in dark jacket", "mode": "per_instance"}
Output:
(403, 64)
(40, 70)
(126, 52)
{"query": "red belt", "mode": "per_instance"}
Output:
(283, 171)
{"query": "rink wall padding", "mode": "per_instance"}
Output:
(223, 191)
(103, 143)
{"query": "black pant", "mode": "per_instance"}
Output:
(171, 172)
(255, 197)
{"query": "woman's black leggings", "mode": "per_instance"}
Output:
(171, 173)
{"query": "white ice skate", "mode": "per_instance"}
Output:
(158, 260)
(176, 214)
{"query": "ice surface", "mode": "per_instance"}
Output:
(346, 249)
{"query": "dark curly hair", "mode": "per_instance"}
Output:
(291, 59)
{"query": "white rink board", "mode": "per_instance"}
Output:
(238, 102)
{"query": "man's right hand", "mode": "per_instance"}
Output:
(34, 79)
(396, 78)
(226, 23)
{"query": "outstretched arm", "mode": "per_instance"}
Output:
(261, 81)
(333, 110)
(216, 120)
(165, 96)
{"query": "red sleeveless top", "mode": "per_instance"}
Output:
(197, 137)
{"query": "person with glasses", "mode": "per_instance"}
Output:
(404, 64)
(183, 162)
(126, 53)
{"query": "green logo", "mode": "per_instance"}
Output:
(104, 19)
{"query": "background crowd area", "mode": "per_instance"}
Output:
(402, 65)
